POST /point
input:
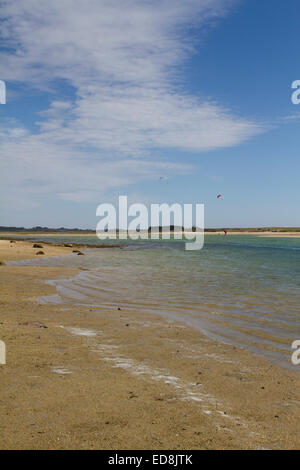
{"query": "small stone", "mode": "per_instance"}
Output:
(132, 396)
(39, 325)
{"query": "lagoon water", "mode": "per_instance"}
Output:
(244, 290)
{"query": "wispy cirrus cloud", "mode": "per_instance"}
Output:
(122, 59)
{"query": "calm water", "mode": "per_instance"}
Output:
(244, 290)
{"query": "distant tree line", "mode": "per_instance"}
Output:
(172, 228)
(43, 229)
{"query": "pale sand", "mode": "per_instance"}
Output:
(24, 250)
(128, 380)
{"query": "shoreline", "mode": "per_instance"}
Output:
(35, 235)
(78, 377)
(54, 244)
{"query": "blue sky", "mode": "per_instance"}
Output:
(104, 98)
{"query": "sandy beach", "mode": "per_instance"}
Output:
(80, 378)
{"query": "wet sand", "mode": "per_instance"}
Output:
(82, 378)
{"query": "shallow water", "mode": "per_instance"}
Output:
(244, 290)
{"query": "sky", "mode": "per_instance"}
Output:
(164, 101)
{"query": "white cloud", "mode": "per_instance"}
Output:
(122, 58)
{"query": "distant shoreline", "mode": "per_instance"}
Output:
(279, 233)
(77, 231)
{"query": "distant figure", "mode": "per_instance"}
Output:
(225, 233)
